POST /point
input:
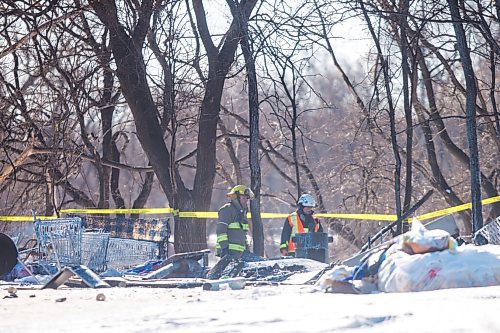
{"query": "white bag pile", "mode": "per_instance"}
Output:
(428, 260)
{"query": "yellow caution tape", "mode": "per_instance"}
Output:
(376, 217)
(200, 215)
(270, 215)
(118, 211)
(456, 209)
(175, 212)
(25, 218)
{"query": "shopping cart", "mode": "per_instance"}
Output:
(125, 253)
(489, 234)
(94, 249)
(59, 241)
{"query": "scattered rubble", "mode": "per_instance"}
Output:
(86, 276)
(234, 284)
(418, 260)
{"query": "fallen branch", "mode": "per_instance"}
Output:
(399, 220)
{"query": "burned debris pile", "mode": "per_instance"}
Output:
(420, 259)
(68, 254)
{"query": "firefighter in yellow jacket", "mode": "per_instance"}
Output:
(232, 224)
(300, 221)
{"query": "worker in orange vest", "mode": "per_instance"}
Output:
(298, 222)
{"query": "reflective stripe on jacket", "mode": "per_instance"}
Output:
(232, 227)
(297, 228)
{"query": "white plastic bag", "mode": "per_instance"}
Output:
(469, 266)
(420, 240)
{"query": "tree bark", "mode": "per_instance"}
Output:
(471, 94)
(391, 111)
(408, 114)
(190, 234)
(253, 110)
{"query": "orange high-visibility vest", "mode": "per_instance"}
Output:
(297, 228)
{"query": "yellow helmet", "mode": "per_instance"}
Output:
(240, 190)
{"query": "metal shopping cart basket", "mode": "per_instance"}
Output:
(126, 253)
(489, 234)
(59, 241)
(94, 249)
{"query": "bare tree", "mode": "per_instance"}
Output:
(471, 89)
(253, 110)
(127, 50)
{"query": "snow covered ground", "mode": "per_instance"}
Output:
(283, 308)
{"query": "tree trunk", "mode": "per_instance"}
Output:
(387, 85)
(253, 108)
(471, 94)
(407, 110)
